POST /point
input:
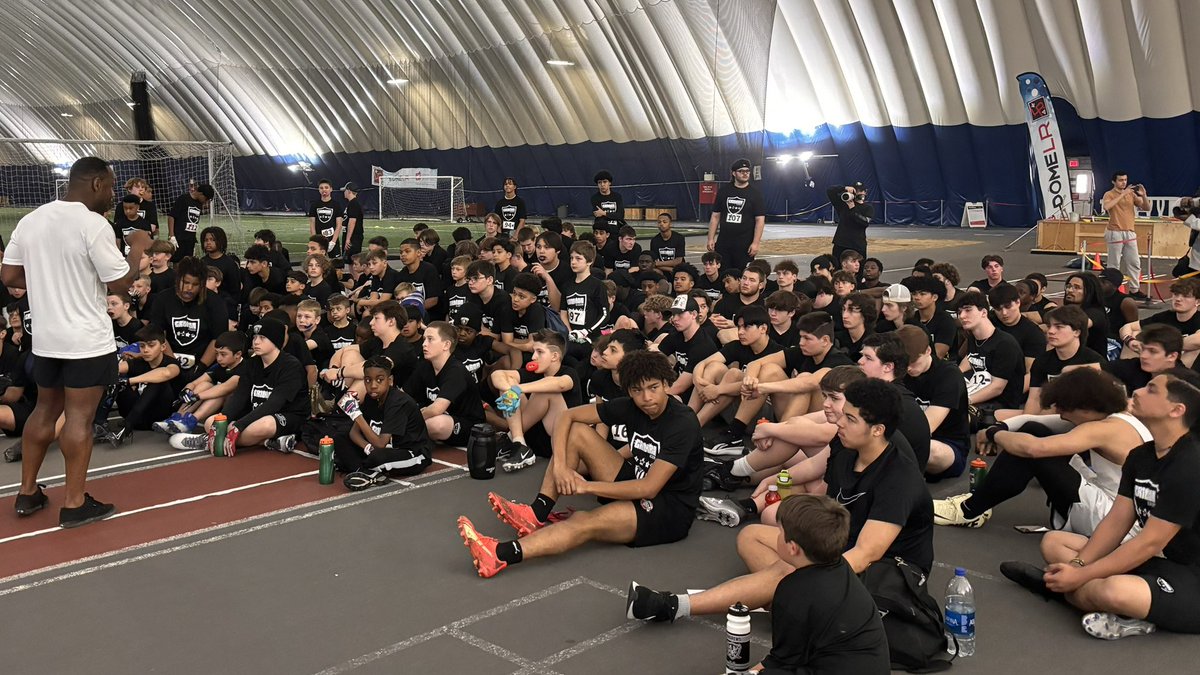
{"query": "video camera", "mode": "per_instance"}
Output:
(859, 195)
(1188, 206)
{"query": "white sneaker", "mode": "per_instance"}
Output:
(1109, 626)
(948, 511)
(724, 511)
(189, 441)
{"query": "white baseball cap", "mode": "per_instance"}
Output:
(897, 293)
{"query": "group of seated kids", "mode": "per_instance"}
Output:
(640, 378)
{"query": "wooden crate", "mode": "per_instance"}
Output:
(1063, 236)
(634, 213)
(653, 211)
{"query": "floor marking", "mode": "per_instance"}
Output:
(450, 464)
(370, 657)
(527, 666)
(104, 469)
(164, 505)
(968, 570)
(345, 500)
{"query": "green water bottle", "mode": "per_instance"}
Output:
(784, 482)
(979, 470)
(325, 475)
(220, 429)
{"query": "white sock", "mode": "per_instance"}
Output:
(741, 467)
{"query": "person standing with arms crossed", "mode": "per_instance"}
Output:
(1119, 203)
(64, 254)
(741, 214)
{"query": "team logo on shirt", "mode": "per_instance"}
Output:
(1145, 498)
(733, 209)
(1165, 585)
(666, 254)
(645, 452)
(193, 218)
(980, 378)
(473, 367)
(376, 427)
(610, 207)
(324, 214)
(259, 393)
(431, 393)
(27, 321)
(508, 216)
(186, 329)
(341, 343)
(577, 309)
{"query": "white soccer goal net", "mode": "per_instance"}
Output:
(34, 171)
(406, 197)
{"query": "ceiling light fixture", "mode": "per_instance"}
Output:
(65, 115)
(397, 80)
(559, 62)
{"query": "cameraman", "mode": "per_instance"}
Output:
(853, 216)
(1119, 203)
(1188, 210)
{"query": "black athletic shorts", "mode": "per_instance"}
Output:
(1174, 594)
(287, 423)
(97, 371)
(661, 520)
(461, 431)
(21, 411)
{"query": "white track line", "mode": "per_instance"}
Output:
(164, 505)
(105, 469)
(345, 500)
(450, 464)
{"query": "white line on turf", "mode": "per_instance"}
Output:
(164, 505)
(165, 460)
(450, 464)
(345, 500)
(527, 666)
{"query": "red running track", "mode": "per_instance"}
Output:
(160, 486)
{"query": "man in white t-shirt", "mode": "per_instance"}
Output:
(64, 254)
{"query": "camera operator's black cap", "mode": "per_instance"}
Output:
(857, 185)
(740, 164)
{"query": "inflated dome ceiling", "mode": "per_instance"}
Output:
(287, 77)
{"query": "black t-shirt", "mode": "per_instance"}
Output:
(941, 327)
(1028, 335)
(673, 437)
(1166, 489)
(788, 338)
(914, 426)
(606, 254)
(823, 620)
(738, 209)
(666, 250)
(586, 303)
(571, 397)
(504, 279)
(354, 210)
(497, 312)
(687, 353)
(186, 214)
(1096, 337)
(730, 305)
(891, 490)
(138, 367)
(340, 338)
(146, 220)
(713, 288)
(220, 375)
(853, 348)
(736, 352)
(533, 320)
(453, 383)
(125, 335)
(231, 273)
(1049, 366)
(560, 275)
(162, 281)
(614, 209)
(1130, 373)
(323, 350)
(268, 390)
(426, 280)
(453, 297)
(326, 214)
(602, 384)
(382, 284)
(320, 292)
(400, 417)
(189, 326)
(1169, 317)
(1112, 312)
(624, 260)
(404, 357)
(511, 212)
(943, 386)
(794, 360)
(475, 355)
(998, 356)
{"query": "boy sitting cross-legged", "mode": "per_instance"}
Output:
(203, 397)
(649, 489)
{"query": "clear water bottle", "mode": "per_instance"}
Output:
(960, 614)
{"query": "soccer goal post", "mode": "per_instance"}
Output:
(33, 171)
(411, 194)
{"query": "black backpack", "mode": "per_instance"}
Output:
(911, 617)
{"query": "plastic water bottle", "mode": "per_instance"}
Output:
(960, 614)
(784, 481)
(737, 640)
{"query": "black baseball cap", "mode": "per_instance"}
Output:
(469, 315)
(740, 164)
(684, 303)
(351, 187)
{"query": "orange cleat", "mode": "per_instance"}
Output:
(517, 516)
(483, 549)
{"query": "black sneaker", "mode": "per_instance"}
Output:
(99, 432)
(27, 505)
(117, 438)
(13, 454)
(1029, 577)
(726, 444)
(650, 605)
(721, 478)
(361, 480)
(89, 512)
(519, 457)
